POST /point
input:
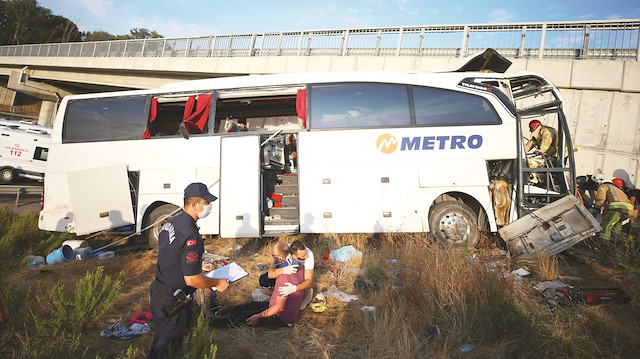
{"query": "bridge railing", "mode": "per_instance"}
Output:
(606, 39)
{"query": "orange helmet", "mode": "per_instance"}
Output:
(619, 182)
(534, 124)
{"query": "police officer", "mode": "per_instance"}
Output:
(179, 271)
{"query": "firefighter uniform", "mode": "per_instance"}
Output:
(617, 207)
(545, 139)
(180, 254)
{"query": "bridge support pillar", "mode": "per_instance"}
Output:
(47, 113)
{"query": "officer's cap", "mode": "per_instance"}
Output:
(199, 190)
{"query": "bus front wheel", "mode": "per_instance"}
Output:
(7, 175)
(454, 224)
(158, 216)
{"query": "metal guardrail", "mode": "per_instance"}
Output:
(20, 190)
(606, 39)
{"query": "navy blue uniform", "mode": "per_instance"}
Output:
(180, 254)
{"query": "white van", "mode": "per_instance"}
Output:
(24, 147)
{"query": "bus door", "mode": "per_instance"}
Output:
(240, 186)
(100, 199)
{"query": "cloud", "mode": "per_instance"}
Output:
(96, 8)
(351, 21)
(614, 17)
(501, 15)
(458, 9)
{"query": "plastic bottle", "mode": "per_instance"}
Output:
(319, 303)
(34, 262)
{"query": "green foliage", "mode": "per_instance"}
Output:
(52, 335)
(59, 332)
(132, 353)
(94, 295)
(198, 344)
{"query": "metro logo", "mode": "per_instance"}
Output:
(387, 143)
(441, 142)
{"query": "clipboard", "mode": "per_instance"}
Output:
(231, 271)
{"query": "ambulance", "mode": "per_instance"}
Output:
(24, 147)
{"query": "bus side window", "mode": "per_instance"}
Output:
(438, 107)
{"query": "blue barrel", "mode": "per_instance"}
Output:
(83, 254)
(61, 254)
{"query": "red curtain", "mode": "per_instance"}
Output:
(194, 122)
(301, 106)
(153, 111)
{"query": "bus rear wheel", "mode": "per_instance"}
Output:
(7, 175)
(454, 224)
(160, 215)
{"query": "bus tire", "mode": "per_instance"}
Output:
(159, 214)
(7, 175)
(453, 223)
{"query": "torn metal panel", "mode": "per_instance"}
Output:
(487, 61)
(550, 229)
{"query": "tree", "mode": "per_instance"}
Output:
(139, 33)
(24, 22)
(98, 35)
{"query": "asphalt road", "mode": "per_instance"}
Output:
(26, 203)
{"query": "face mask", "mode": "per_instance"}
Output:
(206, 209)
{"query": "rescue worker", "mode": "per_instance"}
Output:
(632, 194)
(543, 138)
(179, 271)
(616, 207)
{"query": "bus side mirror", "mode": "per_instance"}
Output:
(182, 130)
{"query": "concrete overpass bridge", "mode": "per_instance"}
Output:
(596, 64)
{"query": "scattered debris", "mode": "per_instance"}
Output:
(368, 308)
(259, 295)
(467, 348)
(550, 229)
(521, 272)
(435, 333)
(340, 295)
(345, 254)
(117, 330)
(319, 303)
(33, 262)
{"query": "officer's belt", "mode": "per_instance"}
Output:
(158, 292)
(163, 297)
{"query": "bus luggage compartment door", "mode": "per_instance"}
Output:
(100, 199)
(240, 187)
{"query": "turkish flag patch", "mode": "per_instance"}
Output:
(191, 242)
(192, 257)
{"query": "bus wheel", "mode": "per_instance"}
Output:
(7, 175)
(454, 224)
(159, 214)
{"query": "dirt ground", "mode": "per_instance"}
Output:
(139, 266)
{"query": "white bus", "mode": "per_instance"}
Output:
(344, 152)
(23, 150)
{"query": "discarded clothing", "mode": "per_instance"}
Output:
(117, 330)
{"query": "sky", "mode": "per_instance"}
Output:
(182, 18)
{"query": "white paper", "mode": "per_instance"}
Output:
(231, 271)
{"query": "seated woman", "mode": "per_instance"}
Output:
(279, 311)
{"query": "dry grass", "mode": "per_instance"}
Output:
(416, 286)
